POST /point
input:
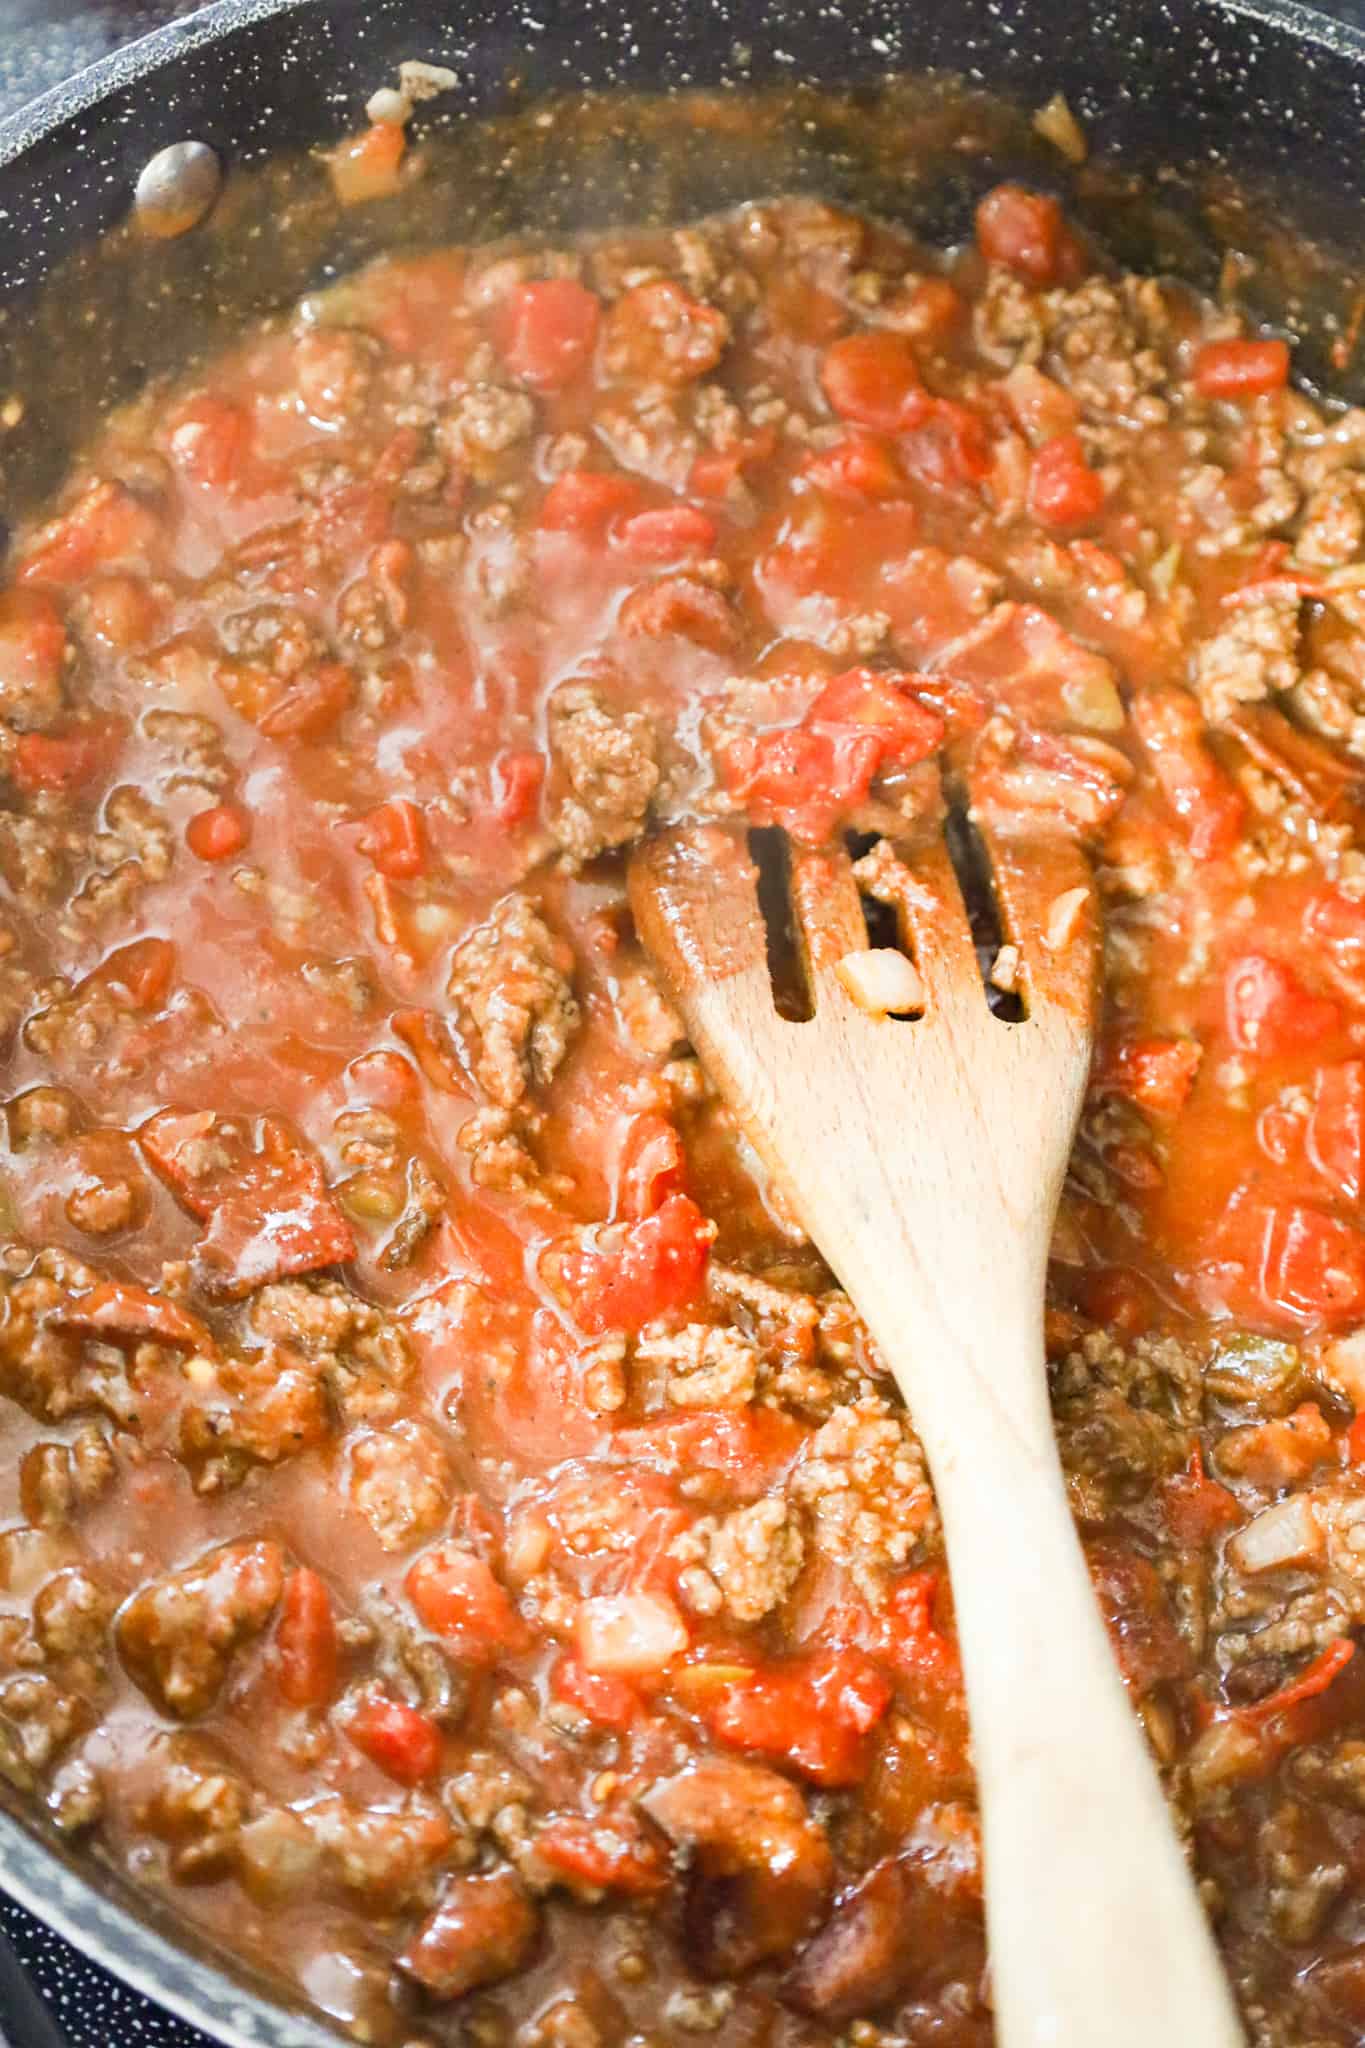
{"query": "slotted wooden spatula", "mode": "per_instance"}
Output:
(925, 1158)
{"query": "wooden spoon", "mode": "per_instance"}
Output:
(926, 1158)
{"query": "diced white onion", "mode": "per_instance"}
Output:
(424, 81)
(1344, 1364)
(388, 108)
(1063, 916)
(1005, 972)
(882, 982)
(1288, 1533)
(629, 1634)
(1056, 123)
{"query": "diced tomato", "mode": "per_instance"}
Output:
(873, 379)
(949, 446)
(309, 707)
(716, 471)
(394, 839)
(425, 1036)
(922, 1651)
(107, 524)
(218, 833)
(1027, 233)
(587, 503)
(1339, 922)
(517, 781)
(210, 442)
(367, 166)
(547, 332)
(1171, 728)
(606, 1702)
(1311, 1265)
(752, 1448)
(1155, 1073)
(306, 1642)
(651, 1165)
(813, 1713)
(876, 701)
(930, 310)
(268, 1208)
(1197, 1508)
(384, 1079)
(459, 1599)
(804, 779)
(121, 611)
(1355, 1440)
(65, 761)
(859, 466)
(1241, 369)
(1270, 1013)
(807, 777)
(680, 605)
(1063, 490)
(668, 532)
(404, 1744)
(603, 1855)
(1322, 1672)
(659, 1264)
(1119, 1299)
(629, 1635)
(117, 1309)
(1042, 407)
(1335, 1138)
(144, 970)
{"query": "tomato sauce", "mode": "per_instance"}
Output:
(458, 1541)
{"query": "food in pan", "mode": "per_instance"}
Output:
(459, 1543)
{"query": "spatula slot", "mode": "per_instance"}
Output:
(971, 865)
(771, 855)
(886, 932)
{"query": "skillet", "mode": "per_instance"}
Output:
(1226, 124)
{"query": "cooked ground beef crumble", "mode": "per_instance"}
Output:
(459, 1539)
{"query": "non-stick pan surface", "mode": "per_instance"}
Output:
(1260, 95)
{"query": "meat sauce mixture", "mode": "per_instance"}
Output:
(459, 1543)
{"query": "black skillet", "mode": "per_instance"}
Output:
(1259, 105)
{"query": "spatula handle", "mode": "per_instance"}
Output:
(1097, 1937)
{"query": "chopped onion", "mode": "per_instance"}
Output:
(1005, 972)
(630, 1634)
(1344, 1364)
(1063, 916)
(388, 108)
(1058, 125)
(882, 982)
(1288, 1533)
(425, 81)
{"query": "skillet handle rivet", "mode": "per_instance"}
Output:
(177, 189)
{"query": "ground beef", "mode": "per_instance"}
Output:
(513, 1005)
(706, 1365)
(484, 422)
(609, 765)
(178, 1636)
(869, 1498)
(1331, 532)
(400, 1480)
(1251, 658)
(754, 1556)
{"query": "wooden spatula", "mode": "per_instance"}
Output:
(925, 1157)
